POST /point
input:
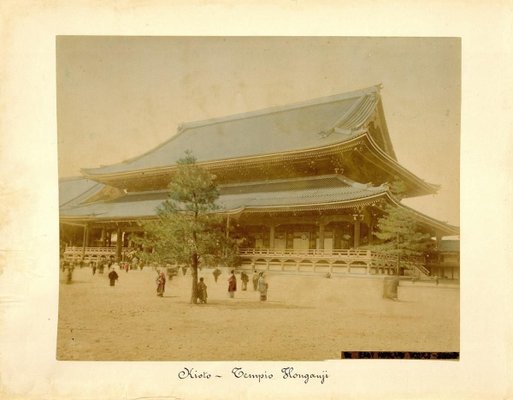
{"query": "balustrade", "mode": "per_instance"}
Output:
(316, 260)
(76, 253)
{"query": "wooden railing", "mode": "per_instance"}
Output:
(332, 260)
(77, 253)
(316, 260)
(305, 252)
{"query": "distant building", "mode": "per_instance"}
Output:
(302, 186)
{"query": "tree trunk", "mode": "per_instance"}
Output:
(194, 294)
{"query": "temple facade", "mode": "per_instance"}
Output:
(302, 187)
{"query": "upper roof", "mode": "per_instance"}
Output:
(298, 126)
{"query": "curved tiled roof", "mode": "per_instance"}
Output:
(287, 193)
(294, 127)
(73, 191)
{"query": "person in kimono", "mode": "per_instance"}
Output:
(232, 284)
(161, 284)
(255, 280)
(202, 291)
(113, 277)
(245, 279)
(262, 287)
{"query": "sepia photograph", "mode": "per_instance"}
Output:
(258, 198)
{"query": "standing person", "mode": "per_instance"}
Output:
(101, 267)
(69, 273)
(135, 262)
(262, 287)
(202, 291)
(255, 280)
(161, 284)
(94, 268)
(245, 279)
(113, 277)
(216, 274)
(111, 262)
(232, 284)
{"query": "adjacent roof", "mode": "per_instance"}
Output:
(75, 190)
(426, 220)
(276, 194)
(294, 127)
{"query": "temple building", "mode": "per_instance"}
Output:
(301, 185)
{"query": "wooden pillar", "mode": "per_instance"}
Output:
(87, 236)
(438, 240)
(356, 241)
(371, 230)
(321, 236)
(85, 239)
(119, 244)
(102, 238)
(336, 237)
(227, 226)
(271, 237)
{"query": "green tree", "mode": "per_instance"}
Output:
(187, 229)
(399, 231)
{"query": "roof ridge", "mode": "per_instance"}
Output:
(280, 108)
(184, 127)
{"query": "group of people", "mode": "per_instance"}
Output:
(259, 283)
(201, 289)
(100, 265)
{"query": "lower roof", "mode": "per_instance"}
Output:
(236, 198)
(75, 190)
(311, 193)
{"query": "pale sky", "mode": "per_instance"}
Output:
(118, 97)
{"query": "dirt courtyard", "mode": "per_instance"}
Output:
(305, 318)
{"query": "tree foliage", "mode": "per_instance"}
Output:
(187, 229)
(398, 230)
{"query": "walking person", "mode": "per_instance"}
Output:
(113, 277)
(255, 280)
(202, 291)
(232, 285)
(161, 284)
(262, 287)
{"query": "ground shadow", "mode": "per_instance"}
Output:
(249, 305)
